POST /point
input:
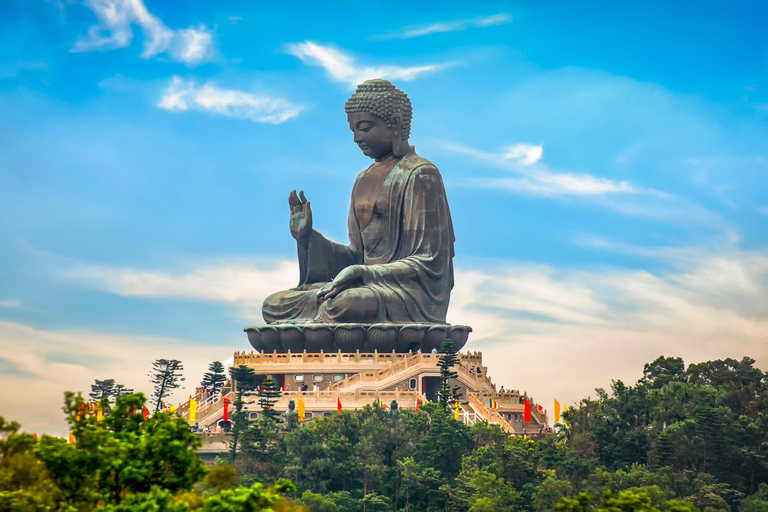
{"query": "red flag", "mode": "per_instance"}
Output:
(338, 404)
(226, 409)
(145, 411)
(527, 411)
(36, 435)
(418, 404)
(541, 409)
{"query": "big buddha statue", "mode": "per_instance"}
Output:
(393, 280)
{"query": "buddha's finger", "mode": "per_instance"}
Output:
(302, 197)
(293, 201)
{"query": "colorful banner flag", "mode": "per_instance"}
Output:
(338, 404)
(226, 409)
(493, 404)
(192, 410)
(527, 415)
(302, 411)
(557, 411)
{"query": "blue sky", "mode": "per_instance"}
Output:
(605, 165)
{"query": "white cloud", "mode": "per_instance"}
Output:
(527, 154)
(10, 303)
(243, 285)
(234, 19)
(538, 179)
(114, 30)
(182, 95)
(41, 364)
(763, 210)
(448, 26)
(342, 67)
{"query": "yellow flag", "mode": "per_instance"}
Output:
(557, 411)
(456, 412)
(171, 408)
(302, 413)
(565, 409)
(192, 410)
(99, 412)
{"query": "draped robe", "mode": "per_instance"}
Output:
(406, 250)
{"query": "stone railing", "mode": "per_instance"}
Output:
(489, 414)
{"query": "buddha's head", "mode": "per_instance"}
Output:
(379, 116)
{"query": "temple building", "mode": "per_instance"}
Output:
(357, 379)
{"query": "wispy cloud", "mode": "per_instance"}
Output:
(439, 27)
(342, 67)
(10, 303)
(183, 95)
(243, 285)
(115, 30)
(538, 179)
(762, 210)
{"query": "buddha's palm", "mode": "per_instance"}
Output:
(301, 216)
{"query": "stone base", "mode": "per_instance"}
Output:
(353, 337)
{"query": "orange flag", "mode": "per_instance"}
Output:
(557, 411)
(71, 438)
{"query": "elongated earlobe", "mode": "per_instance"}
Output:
(399, 146)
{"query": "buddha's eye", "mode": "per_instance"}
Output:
(367, 129)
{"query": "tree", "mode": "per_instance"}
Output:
(166, 377)
(448, 360)
(245, 380)
(102, 389)
(107, 388)
(215, 378)
(269, 394)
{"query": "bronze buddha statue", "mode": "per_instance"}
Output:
(398, 266)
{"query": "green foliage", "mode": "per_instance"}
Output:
(122, 463)
(166, 377)
(215, 377)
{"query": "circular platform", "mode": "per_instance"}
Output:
(382, 337)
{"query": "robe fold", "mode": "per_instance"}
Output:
(406, 250)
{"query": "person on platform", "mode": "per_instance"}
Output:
(398, 266)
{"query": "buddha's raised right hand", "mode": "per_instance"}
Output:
(301, 216)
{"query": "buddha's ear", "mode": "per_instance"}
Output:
(396, 121)
(399, 146)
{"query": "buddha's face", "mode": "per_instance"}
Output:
(372, 135)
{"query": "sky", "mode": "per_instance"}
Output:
(605, 164)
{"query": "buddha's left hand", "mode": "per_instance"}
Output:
(343, 280)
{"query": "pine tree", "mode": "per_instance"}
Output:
(102, 389)
(166, 376)
(215, 378)
(448, 360)
(245, 380)
(107, 388)
(269, 394)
